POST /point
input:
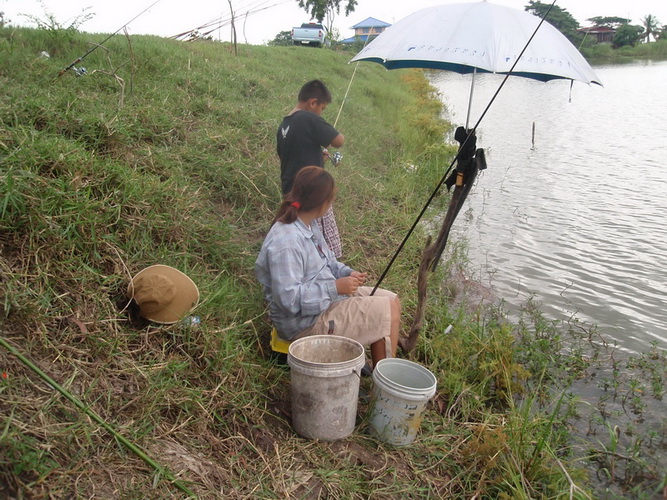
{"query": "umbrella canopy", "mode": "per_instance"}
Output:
(482, 36)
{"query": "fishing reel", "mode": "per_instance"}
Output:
(79, 71)
(336, 158)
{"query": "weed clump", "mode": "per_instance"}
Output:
(163, 152)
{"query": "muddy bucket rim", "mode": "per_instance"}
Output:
(326, 369)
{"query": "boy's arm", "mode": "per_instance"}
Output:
(338, 141)
(324, 133)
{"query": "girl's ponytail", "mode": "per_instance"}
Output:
(312, 188)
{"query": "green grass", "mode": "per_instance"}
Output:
(604, 53)
(164, 152)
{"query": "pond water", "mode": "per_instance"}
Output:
(574, 214)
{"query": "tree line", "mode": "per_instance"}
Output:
(625, 33)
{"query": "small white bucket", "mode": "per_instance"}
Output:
(401, 389)
(325, 375)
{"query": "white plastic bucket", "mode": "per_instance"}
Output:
(325, 375)
(401, 389)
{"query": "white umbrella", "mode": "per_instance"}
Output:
(466, 38)
(482, 36)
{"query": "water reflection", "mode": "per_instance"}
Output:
(578, 219)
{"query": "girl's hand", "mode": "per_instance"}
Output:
(361, 277)
(347, 286)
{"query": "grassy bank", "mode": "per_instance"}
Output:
(163, 152)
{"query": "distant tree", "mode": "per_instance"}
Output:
(334, 37)
(318, 9)
(329, 17)
(627, 34)
(663, 33)
(282, 39)
(651, 27)
(561, 19)
(611, 22)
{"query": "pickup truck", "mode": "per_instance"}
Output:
(308, 34)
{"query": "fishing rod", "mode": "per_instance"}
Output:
(96, 46)
(368, 37)
(338, 156)
(470, 134)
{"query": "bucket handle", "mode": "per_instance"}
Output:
(360, 373)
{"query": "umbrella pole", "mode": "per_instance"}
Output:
(472, 89)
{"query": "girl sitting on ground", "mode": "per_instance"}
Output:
(308, 291)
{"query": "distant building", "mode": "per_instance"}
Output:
(368, 28)
(602, 34)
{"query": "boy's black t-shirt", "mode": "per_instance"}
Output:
(300, 139)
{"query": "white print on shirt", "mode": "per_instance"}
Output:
(284, 131)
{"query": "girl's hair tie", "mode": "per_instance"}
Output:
(296, 205)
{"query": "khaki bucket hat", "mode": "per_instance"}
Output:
(163, 294)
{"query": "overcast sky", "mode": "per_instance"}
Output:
(266, 18)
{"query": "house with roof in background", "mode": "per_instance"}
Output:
(368, 28)
(601, 34)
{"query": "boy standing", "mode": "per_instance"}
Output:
(300, 140)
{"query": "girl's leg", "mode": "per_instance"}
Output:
(378, 348)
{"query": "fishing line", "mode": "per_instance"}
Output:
(346, 93)
(225, 22)
(222, 21)
(470, 134)
(368, 37)
(63, 71)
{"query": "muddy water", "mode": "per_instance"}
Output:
(572, 210)
(575, 214)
